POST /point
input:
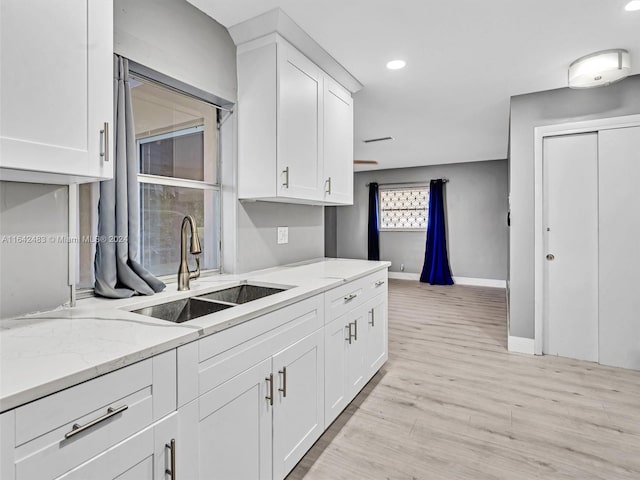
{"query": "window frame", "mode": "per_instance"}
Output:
(152, 76)
(403, 186)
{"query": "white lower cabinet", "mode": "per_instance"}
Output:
(144, 456)
(356, 343)
(79, 432)
(261, 422)
(376, 350)
(298, 413)
(227, 432)
(344, 362)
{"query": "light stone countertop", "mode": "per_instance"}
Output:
(44, 353)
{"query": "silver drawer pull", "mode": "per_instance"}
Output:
(172, 459)
(270, 396)
(283, 372)
(379, 282)
(285, 184)
(77, 428)
(104, 136)
(349, 335)
(373, 317)
(351, 296)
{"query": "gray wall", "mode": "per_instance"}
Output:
(476, 199)
(527, 112)
(178, 40)
(257, 234)
(33, 276)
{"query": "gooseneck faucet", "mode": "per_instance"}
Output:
(184, 275)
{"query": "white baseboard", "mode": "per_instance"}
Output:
(520, 345)
(479, 282)
(404, 276)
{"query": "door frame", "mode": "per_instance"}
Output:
(540, 133)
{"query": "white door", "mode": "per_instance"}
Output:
(58, 92)
(299, 126)
(298, 414)
(570, 222)
(377, 345)
(619, 166)
(233, 433)
(338, 143)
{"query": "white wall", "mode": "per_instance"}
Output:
(476, 198)
(527, 112)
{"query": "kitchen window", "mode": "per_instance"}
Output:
(404, 208)
(177, 144)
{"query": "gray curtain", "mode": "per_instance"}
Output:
(118, 274)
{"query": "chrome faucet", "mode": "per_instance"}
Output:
(184, 275)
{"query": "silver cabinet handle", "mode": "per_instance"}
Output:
(270, 396)
(355, 330)
(379, 282)
(373, 319)
(284, 381)
(172, 451)
(349, 335)
(350, 297)
(286, 177)
(328, 182)
(104, 136)
(77, 428)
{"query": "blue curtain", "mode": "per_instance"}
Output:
(374, 234)
(436, 262)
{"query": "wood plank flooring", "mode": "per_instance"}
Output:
(451, 403)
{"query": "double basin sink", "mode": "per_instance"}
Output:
(186, 309)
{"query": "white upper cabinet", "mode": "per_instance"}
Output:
(295, 128)
(338, 144)
(299, 120)
(56, 90)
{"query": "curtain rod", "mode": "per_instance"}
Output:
(444, 180)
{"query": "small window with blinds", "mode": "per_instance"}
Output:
(404, 208)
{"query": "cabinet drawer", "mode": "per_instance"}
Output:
(61, 431)
(376, 284)
(344, 298)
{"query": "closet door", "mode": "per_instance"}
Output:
(570, 211)
(619, 249)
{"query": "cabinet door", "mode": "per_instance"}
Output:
(56, 85)
(376, 352)
(299, 126)
(338, 143)
(298, 416)
(144, 456)
(356, 368)
(228, 432)
(336, 343)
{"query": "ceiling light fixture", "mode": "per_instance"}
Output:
(632, 6)
(396, 64)
(599, 69)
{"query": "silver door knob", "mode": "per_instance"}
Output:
(550, 256)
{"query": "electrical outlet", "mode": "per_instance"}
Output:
(283, 235)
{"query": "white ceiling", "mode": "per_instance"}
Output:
(465, 58)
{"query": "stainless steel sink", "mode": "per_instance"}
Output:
(183, 310)
(242, 293)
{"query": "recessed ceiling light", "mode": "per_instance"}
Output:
(632, 6)
(396, 64)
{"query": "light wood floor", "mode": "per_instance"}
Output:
(451, 403)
